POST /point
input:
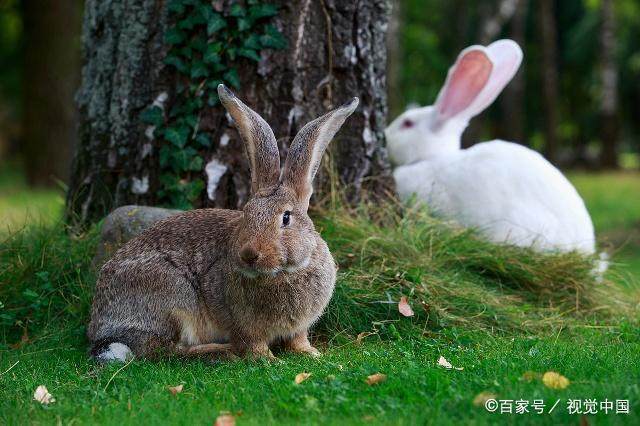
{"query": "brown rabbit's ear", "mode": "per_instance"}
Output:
(259, 141)
(307, 148)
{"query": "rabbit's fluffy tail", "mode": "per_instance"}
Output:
(601, 266)
(116, 351)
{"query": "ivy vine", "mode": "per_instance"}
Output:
(205, 43)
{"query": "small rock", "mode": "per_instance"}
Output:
(123, 224)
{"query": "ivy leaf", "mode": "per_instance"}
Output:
(196, 164)
(177, 136)
(252, 42)
(165, 154)
(204, 139)
(244, 24)
(177, 63)
(232, 78)
(215, 23)
(182, 159)
(174, 36)
(212, 55)
(187, 52)
(263, 10)
(193, 189)
(231, 53)
(199, 70)
(176, 6)
(249, 53)
(153, 115)
(237, 10)
(273, 39)
(199, 43)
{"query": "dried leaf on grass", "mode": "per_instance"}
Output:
(43, 396)
(554, 380)
(442, 362)
(530, 376)
(482, 398)
(175, 389)
(301, 377)
(374, 379)
(225, 420)
(404, 308)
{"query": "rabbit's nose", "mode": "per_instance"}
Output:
(249, 255)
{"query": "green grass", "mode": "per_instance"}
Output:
(20, 205)
(499, 312)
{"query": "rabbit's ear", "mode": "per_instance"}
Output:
(259, 141)
(307, 148)
(476, 79)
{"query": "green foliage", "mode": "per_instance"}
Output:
(49, 279)
(206, 46)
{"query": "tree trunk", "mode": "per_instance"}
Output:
(51, 68)
(547, 22)
(336, 50)
(609, 94)
(513, 97)
(394, 60)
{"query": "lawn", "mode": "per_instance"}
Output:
(504, 315)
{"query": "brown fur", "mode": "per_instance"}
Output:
(182, 284)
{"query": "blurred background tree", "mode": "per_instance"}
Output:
(576, 97)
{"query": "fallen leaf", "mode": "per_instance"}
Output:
(442, 362)
(43, 396)
(225, 420)
(482, 398)
(374, 379)
(301, 377)
(554, 380)
(175, 389)
(530, 376)
(404, 308)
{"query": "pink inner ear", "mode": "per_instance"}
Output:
(469, 77)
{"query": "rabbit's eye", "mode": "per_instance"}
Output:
(407, 124)
(286, 218)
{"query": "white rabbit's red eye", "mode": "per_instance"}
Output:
(407, 124)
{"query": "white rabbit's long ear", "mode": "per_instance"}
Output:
(476, 79)
(305, 152)
(260, 143)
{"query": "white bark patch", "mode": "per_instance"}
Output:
(161, 99)
(214, 170)
(147, 148)
(367, 133)
(149, 132)
(224, 139)
(350, 53)
(140, 186)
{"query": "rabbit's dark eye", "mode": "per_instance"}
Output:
(407, 124)
(286, 218)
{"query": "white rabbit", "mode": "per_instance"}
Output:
(507, 191)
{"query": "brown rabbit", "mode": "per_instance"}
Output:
(226, 281)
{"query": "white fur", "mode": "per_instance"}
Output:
(115, 352)
(507, 191)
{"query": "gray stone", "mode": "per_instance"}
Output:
(123, 224)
